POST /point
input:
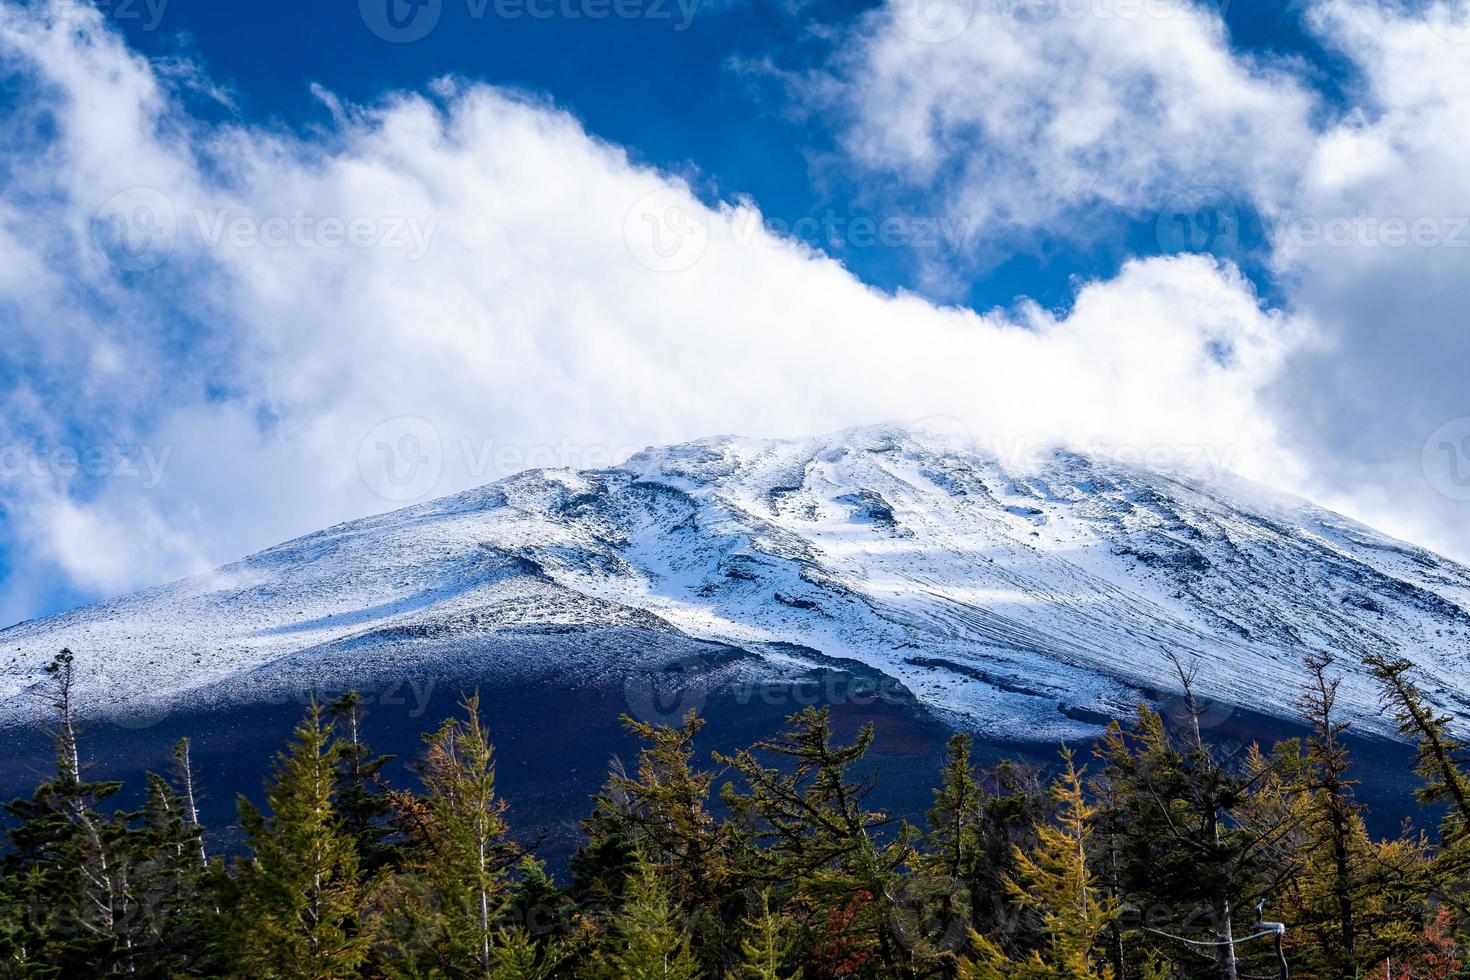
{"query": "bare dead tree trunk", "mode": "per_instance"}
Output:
(482, 843)
(1115, 931)
(1224, 930)
(1225, 952)
(68, 755)
(186, 777)
(105, 883)
(1320, 700)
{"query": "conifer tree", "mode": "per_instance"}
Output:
(954, 841)
(300, 889)
(767, 947)
(175, 893)
(69, 869)
(810, 813)
(941, 893)
(165, 826)
(1441, 757)
(516, 955)
(969, 849)
(665, 811)
(648, 941)
(184, 772)
(1390, 894)
(1440, 762)
(362, 799)
(1179, 852)
(814, 882)
(462, 856)
(601, 868)
(21, 936)
(1054, 882)
(537, 903)
(403, 921)
(1335, 813)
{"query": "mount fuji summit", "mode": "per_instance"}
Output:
(1033, 604)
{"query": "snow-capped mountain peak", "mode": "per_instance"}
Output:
(1037, 600)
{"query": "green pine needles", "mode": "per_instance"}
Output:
(1165, 856)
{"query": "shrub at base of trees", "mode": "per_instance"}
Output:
(1164, 856)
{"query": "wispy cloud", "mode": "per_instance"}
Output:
(1032, 120)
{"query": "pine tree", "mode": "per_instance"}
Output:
(1389, 891)
(939, 905)
(954, 841)
(184, 772)
(665, 811)
(537, 903)
(402, 919)
(1441, 757)
(462, 855)
(1440, 763)
(300, 890)
(530, 946)
(648, 942)
(969, 850)
(601, 868)
(1054, 882)
(1179, 828)
(68, 870)
(810, 812)
(1335, 814)
(362, 799)
(1174, 847)
(516, 955)
(87, 894)
(176, 893)
(22, 934)
(767, 948)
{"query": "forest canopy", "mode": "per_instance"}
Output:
(1153, 854)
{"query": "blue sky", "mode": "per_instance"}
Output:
(1202, 231)
(679, 88)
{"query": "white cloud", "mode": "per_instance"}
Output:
(1041, 110)
(1389, 276)
(1049, 117)
(274, 359)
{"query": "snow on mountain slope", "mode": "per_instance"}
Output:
(1017, 603)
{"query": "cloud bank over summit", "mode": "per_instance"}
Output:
(1342, 179)
(292, 327)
